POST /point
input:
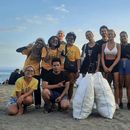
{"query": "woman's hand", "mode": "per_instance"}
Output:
(110, 69)
(105, 69)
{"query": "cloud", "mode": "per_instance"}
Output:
(30, 20)
(51, 19)
(10, 29)
(61, 8)
(18, 18)
(37, 20)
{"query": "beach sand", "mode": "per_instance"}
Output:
(37, 120)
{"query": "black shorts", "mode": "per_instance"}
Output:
(108, 63)
(55, 95)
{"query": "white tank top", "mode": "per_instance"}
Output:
(113, 51)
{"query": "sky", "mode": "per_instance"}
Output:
(23, 21)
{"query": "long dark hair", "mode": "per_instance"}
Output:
(50, 44)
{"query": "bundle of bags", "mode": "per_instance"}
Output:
(93, 88)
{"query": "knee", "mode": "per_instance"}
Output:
(121, 84)
(28, 100)
(12, 110)
(116, 85)
(46, 93)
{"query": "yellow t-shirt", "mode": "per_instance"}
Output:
(22, 86)
(31, 61)
(62, 46)
(50, 53)
(73, 53)
(62, 58)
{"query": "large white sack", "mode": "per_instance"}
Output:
(79, 79)
(84, 98)
(104, 97)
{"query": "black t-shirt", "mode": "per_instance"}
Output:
(100, 43)
(84, 47)
(125, 51)
(91, 57)
(53, 79)
(13, 77)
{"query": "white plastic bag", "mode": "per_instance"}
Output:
(84, 98)
(104, 97)
(79, 79)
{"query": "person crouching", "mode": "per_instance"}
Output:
(23, 93)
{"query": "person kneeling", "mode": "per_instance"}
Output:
(23, 93)
(55, 87)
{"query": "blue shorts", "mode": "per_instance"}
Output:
(55, 95)
(124, 67)
(12, 101)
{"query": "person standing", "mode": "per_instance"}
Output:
(91, 60)
(61, 36)
(124, 68)
(33, 53)
(72, 61)
(111, 52)
(48, 53)
(104, 34)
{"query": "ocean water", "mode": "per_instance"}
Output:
(5, 74)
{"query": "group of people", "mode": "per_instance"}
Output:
(14, 76)
(58, 64)
(17, 73)
(110, 58)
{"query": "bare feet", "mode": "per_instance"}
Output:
(20, 111)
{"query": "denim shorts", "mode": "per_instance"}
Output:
(12, 101)
(124, 67)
